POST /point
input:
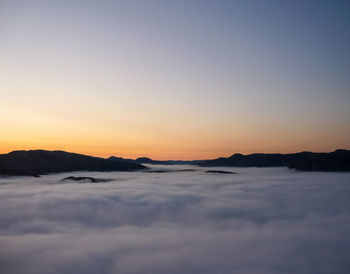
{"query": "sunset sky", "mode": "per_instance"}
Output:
(174, 79)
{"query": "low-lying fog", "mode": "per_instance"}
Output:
(260, 220)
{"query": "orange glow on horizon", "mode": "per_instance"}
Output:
(158, 154)
(179, 140)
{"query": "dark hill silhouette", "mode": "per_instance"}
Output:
(338, 160)
(114, 158)
(38, 162)
(146, 160)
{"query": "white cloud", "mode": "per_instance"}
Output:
(258, 221)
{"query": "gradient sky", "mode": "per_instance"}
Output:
(174, 79)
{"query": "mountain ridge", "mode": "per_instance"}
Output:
(39, 162)
(338, 160)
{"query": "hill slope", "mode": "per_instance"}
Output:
(37, 162)
(338, 160)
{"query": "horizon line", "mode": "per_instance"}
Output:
(245, 154)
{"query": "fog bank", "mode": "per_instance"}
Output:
(260, 220)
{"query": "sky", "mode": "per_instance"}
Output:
(258, 221)
(174, 79)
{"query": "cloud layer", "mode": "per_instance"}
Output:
(269, 220)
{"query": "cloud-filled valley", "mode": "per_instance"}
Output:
(260, 220)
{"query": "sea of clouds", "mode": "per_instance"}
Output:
(260, 220)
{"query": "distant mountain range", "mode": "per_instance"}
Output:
(146, 160)
(338, 160)
(38, 162)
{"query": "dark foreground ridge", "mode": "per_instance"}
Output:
(38, 162)
(86, 179)
(338, 160)
(220, 172)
